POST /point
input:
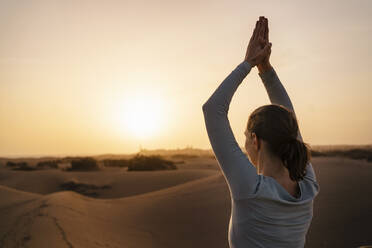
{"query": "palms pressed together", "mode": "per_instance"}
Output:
(259, 48)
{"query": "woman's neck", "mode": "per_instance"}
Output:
(270, 165)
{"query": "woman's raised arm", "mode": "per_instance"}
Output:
(239, 172)
(275, 89)
(278, 95)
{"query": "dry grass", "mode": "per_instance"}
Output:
(154, 162)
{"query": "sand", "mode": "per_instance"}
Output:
(189, 207)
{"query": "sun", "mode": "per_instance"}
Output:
(142, 115)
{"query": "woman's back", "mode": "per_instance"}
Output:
(271, 217)
(292, 187)
(264, 213)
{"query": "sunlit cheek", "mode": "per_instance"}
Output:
(246, 145)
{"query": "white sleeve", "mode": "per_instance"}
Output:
(278, 95)
(239, 172)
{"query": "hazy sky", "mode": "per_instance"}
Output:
(93, 77)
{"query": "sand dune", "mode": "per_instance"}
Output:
(121, 182)
(156, 219)
(194, 213)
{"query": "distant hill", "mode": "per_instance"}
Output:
(352, 151)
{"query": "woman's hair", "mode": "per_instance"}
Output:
(278, 126)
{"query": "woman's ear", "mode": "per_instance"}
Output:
(256, 141)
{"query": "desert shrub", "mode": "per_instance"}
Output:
(358, 153)
(353, 153)
(83, 164)
(179, 162)
(11, 164)
(48, 164)
(150, 163)
(317, 153)
(116, 162)
(212, 156)
(83, 188)
(23, 166)
(183, 156)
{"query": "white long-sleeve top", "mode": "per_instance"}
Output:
(263, 213)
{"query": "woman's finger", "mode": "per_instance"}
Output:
(266, 30)
(255, 31)
(262, 42)
(266, 50)
(262, 27)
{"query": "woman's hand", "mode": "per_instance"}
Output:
(265, 64)
(258, 50)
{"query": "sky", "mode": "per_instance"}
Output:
(93, 77)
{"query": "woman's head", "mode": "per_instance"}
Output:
(275, 128)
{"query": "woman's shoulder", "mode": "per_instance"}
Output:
(270, 189)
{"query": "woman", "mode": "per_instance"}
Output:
(272, 191)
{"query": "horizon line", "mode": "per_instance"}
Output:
(141, 150)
